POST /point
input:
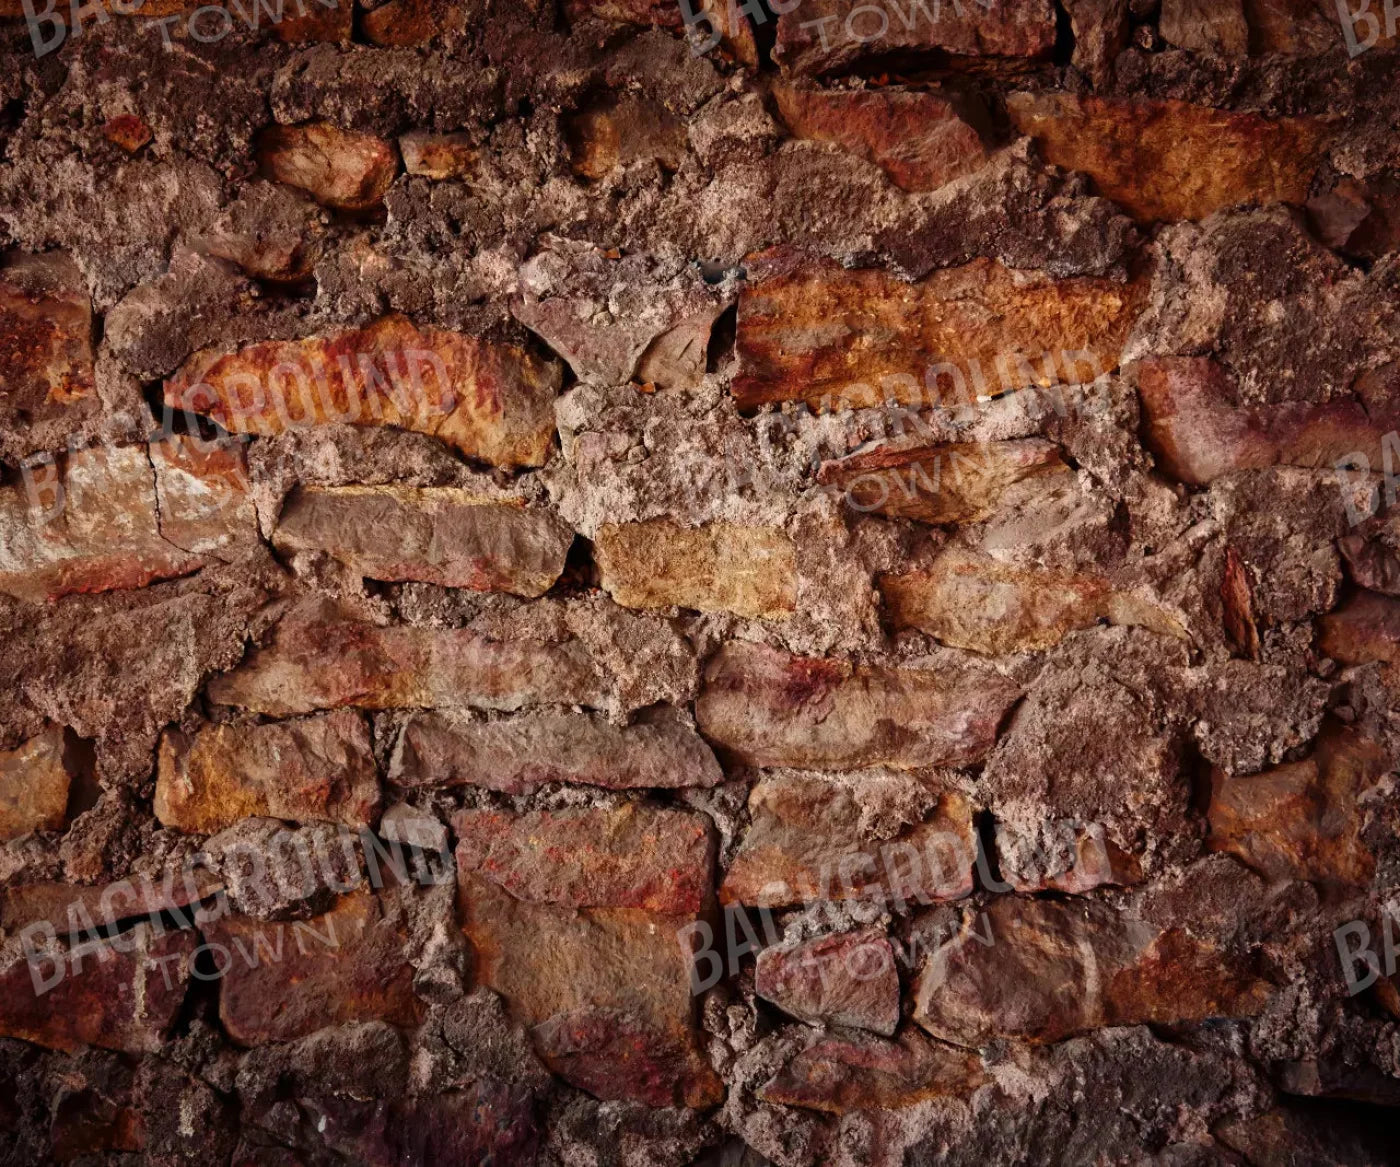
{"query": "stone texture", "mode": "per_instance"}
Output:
(344, 170)
(492, 402)
(620, 131)
(1169, 160)
(1200, 27)
(34, 781)
(439, 535)
(204, 497)
(517, 755)
(437, 156)
(720, 567)
(843, 979)
(772, 709)
(320, 769)
(876, 836)
(1365, 628)
(816, 333)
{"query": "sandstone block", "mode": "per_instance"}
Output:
(338, 168)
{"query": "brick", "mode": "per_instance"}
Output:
(437, 156)
(1055, 968)
(826, 36)
(951, 482)
(340, 169)
(808, 842)
(623, 130)
(438, 535)
(1167, 160)
(1198, 430)
(517, 755)
(628, 856)
(120, 994)
(285, 980)
(1302, 820)
(34, 781)
(1217, 27)
(489, 401)
(772, 709)
(202, 489)
(611, 1011)
(818, 333)
(845, 979)
(320, 659)
(918, 139)
(1365, 628)
(720, 567)
(972, 601)
(846, 1073)
(320, 769)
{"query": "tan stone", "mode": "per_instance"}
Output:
(202, 489)
(34, 780)
(809, 839)
(816, 332)
(437, 156)
(622, 130)
(492, 402)
(517, 755)
(750, 571)
(916, 138)
(338, 168)
(844, 979)
(1167, 160)
(439, 535)
(320, 769)
(321, 659)
(972, 601)
(772, 709)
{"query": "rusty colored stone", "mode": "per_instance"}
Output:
(338, 168)
(203, 493)
(827, 36)
(320, 769)
(852, 1072)
(844, 979)
(493, 402)
(1041, 970)
(1206, 26)
(320, 659)
(1366, 628)
(721, 567)
(1167, 160)
(972, 601)
(806, 842)
(816, 332)
(284, 980)
(323, 21)
(120, 994)
(517, 755)
(628, 856)
(956, 482)
(1302, 820)
(437, 156)
(76, 911)
(723, 17)
(917, 138)
(439, 535)
(621, 130)
(772, 709)
(34, 780)
(127, 131)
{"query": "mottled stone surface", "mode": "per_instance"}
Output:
(347, 171)
(34, 781)
(845, 979)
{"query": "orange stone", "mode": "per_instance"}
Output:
(338, 168)
(437, 156)
(34, 782)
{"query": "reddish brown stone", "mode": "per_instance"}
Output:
(1366, 628)
(437, 156)
(127, 131)
(972, 601)
(918, 139)
(284, 980)
(75, 911)
(857, 1072)
(322, 21)
(1167, 160)
(715, 16)
(320, 659)
(629, 856)
(806, 842)
(34, 780)
(1041, 970)
(826, 36)
(320, 769)
(339, 169)
(439, 535)
(816, 332)
(517, 755)
(846, 979)
(272, 232)
(721, 567)
(202, 489)
(772, 709)
(1205, 26)
(120, 994)
(1302, 820)
(622, 130)
(947, 483)
(493, 402)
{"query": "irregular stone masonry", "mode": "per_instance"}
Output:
(699, 582)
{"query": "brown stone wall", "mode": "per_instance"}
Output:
(635, 583)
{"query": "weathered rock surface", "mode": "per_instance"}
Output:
(843, 979)
(340, 169)
(34, 781)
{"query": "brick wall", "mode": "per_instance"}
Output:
(626, 582)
